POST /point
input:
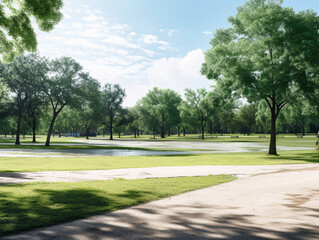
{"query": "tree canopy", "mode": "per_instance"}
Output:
(16, 31)
(270, 52)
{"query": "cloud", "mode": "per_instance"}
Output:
(151, 39)
(178, 73)
(92, 17)
(113, 52)
(117, 40)
(169, 32)
(207, 32)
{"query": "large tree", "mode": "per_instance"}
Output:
(194, 108)
(20, 77)
(270, 53)
(112, 98)
(63, 87)
(89, 115)
(16, 30)
(164, 104)
(34, 108)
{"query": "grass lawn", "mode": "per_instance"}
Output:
(18, 164)
(31, 205)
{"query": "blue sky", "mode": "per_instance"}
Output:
(141, 44)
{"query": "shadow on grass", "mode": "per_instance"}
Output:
(307, 157)
(48, 207)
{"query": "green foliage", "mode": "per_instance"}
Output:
(161, 105)
(16, 30)
(112, 98)
(270, 52)
(194, 109)
(21, 78)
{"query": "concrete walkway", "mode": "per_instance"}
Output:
(152, 172)
(282, 205)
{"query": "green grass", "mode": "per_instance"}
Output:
(18, 164)
(26, 206)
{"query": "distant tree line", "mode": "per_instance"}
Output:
(39, 95)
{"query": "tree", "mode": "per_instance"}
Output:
(62, 87)
(89, 114)
(163, 103)
(269, 53)
(194, 107)
(112, 98)
(20, 77)
(16, 31)
(148, 117)
(247, 118)
(132, 119)
(34, 107)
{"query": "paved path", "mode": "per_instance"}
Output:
(152, 172)
(283, 205)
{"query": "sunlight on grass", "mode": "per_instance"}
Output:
(104, 163)
(31, 205)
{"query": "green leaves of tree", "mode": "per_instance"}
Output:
(16, 30)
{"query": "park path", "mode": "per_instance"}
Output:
(152, 172)
(281, 205)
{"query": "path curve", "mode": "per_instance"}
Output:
(152, 172)
(280, 205)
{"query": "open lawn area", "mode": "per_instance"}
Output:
(31, 205)
(18, 164)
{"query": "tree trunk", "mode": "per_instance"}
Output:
(111, 131)
(135, 133)
(33, 133)
(178, 131)
(119, 134)
(86, 131)
(203, 128)
(169, 131)
(272, 145)
(184, 131)
(59, 133)
(162, 131)
(203, 132)
(18, 126)
(47, 143)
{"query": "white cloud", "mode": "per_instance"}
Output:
(92, 17)
(151, 39)
(169, 32)
(66, 16)
(115, 53)
(117, 40)
(84, 43)
(207, 32)
(120, 27)
(178, 73)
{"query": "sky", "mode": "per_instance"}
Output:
(141, 44)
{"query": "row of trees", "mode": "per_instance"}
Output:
(38, 94)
